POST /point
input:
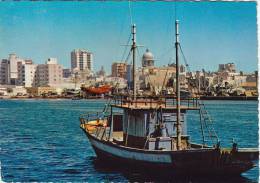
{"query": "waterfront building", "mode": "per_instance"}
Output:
(232, 78)
(101, 72)
(229, 67)
(3, 91)
(12, 90)
(156, 78)
(221, 67)
(250, 83)
(251, 77)
(49, 74)
(18, 91)
(147, 59)
(119, 82)
(238, 80)
(81, 60)
(26, 73)
(38, 91)
(182, 69)
(82, 76)
(119, 69)
(99, 79)
(4, 72)
(66, 73)
(13, 70)
(9, 70)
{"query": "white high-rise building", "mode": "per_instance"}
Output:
(13, 68)
(29, 75)
(81, 60)
(26, 73)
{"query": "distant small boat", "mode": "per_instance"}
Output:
(76, 98)
(97, 90)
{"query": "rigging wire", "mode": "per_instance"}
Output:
(138, 53)
(127, 58)
(184, 59)
(164, 81)
(128, 41)
(120, 34)
(124, 53)
(211, 131)
(165, 53)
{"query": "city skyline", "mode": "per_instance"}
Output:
(211, 33)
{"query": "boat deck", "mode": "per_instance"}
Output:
(118, 136)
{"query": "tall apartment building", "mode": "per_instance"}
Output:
(81, 60)
(119, 69)
(13, 71)
(49, 74)
(13, 68)
(4, 71)
(26, 73)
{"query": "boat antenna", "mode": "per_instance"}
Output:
(130, 12)
(175, 10)
(178, 125)
(134, 64)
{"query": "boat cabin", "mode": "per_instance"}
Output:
(150, 123)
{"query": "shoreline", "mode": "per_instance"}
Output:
(49, 98)
(240, 98)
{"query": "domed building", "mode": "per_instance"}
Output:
(148, 59)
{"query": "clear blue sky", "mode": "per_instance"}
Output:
(211, 32)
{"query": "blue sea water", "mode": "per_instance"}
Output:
(41, 140)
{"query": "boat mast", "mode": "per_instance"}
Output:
(177, 86)
(134, 67)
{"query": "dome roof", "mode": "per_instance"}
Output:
(148, 55)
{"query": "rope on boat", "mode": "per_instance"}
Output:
(127, 130)
(203, 113)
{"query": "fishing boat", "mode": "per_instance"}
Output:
(150, 133)
(97, 90)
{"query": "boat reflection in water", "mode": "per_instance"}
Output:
(137, 175)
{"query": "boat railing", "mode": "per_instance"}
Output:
(92, 116)
(153, 101)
